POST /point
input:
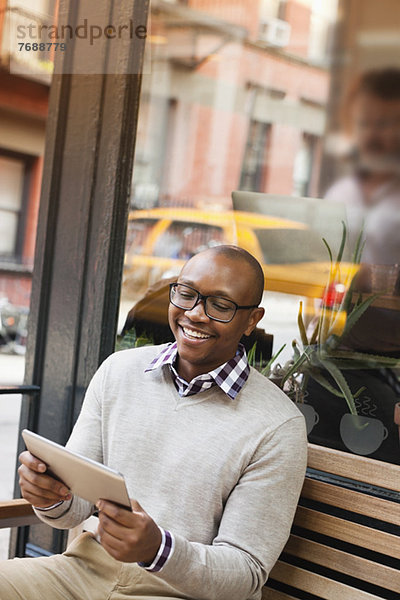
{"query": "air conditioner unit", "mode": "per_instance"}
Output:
(275, 32)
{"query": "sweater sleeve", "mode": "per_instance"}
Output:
(254, 528)
(86, 439)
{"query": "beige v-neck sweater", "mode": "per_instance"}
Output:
(224, 476)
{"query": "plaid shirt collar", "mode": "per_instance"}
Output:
(230, 377)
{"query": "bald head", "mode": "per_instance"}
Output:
(239, 256)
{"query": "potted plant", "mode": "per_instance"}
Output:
(321, 355)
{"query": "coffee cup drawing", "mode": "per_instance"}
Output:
(362, 435)
(310, 415)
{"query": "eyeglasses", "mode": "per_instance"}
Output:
(215, 307)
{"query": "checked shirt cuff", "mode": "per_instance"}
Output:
(49, 507)
(164, 553)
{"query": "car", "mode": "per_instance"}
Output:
(160, 240)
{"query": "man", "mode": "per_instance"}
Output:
(372, 193)
(212, 450)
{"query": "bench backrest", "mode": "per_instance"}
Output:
(345, 543)
(15, 513)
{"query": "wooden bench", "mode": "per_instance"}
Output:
(345, 541)
(17, 512)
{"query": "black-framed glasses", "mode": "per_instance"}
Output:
(215, 307)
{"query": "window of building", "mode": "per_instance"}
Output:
(305, 166)
(272, 9)
(12, 184)
(254, 161)
(322, 23)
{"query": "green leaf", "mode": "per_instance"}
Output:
(345, 359)
(314, 335)
(251, 356)
(342, 244)
(342, 384)
(295, 367)
(296, 351)
(348, 297)
(302, 328)
(329, 250)
(360, 391)
(127, 341)
(357, 312)
(144, 340)
(266, 370)
(359, 247)
(332, 342)
(319, 378)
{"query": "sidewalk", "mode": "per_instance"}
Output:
(11, 373)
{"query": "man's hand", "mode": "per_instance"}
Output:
(39, 489)
(128, 536)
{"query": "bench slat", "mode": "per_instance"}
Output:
(16, 512)
(270, 594)
(353, 533)
(343, 562)
(325, 588)
(360, 468)
(362, 504)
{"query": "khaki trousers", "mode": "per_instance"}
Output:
(84, 572)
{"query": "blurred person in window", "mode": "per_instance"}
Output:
(372, 192)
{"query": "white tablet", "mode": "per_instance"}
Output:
(84, 477)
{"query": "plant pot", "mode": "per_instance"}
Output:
(362, 435)
(310, 415)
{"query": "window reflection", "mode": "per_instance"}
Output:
(259, 98)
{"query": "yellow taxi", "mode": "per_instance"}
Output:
(160, 240)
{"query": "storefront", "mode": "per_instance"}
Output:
(145, 143)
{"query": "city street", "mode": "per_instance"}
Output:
(11, 373)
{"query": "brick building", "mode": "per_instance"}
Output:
(23, 114)
(236, 98)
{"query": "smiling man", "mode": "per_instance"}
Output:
(212, 450)
(208, 325)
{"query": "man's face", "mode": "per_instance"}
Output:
(217, 275)
(377, 132)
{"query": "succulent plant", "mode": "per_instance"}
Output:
(321, 352)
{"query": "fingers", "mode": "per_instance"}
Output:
(114, 520)
(128, 536)
(33, 463)
(38, 488)
(115, 537)
(117, 513)
(108, 541)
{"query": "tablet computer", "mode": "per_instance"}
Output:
(83, 476)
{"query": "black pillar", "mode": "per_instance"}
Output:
(82, 223)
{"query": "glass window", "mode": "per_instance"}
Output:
(257, 99)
